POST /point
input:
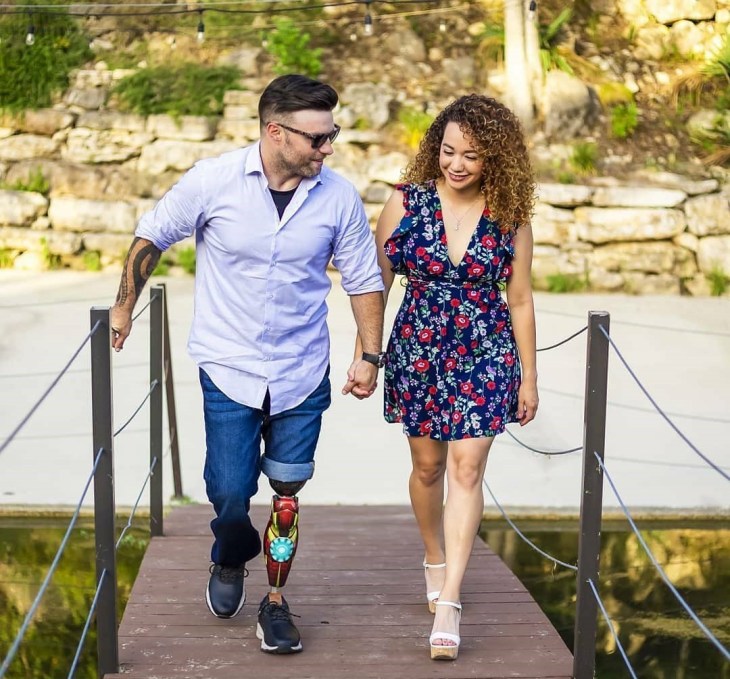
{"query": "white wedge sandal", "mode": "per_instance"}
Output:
(439, 652)
(431, 597)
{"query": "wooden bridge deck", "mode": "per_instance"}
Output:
(357, 585)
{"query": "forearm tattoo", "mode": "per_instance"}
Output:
(141, 261)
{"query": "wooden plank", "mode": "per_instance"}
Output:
(359, 589)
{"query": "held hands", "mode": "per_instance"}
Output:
(527, 401)
(362, 379)
(121, 322)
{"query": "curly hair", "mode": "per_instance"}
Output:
(508, 182)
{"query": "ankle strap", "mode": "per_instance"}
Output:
(453, 604)
(434, 565)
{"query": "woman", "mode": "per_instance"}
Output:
(460, 362)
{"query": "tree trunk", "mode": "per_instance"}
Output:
(519, 92)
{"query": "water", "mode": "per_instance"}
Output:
(27, 548)
(661, 640)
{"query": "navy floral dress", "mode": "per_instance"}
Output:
(452, 369)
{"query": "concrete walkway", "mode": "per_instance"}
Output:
(679, 348)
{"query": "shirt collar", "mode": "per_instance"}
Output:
(254, 165)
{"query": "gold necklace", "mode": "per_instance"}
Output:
(465, 213)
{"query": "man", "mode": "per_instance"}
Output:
(267, 219)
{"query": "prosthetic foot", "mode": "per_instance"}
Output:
(280, 539)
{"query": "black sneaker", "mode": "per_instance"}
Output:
(276, 629)
(225, 594)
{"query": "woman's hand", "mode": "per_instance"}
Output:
(527, 401)
(362, 379)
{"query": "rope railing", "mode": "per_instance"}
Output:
(637, 324)
(136, 504)
(646, 393)
(154, 296)
(565, 341)
(155, 384)
(523, 536)
(715, 641)
(51, 570)
(50, 388)
(87, 625)
(549, 453)
(606, 617)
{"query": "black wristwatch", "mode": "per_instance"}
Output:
(375, 359)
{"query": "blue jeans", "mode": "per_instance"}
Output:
(233, 460)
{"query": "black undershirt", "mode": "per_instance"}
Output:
(282, 199)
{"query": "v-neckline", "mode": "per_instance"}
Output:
(440, 208)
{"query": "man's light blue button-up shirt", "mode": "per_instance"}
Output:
(260, 317)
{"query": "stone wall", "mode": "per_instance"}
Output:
(104, 169)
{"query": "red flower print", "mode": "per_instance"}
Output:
(473, 295)
(420, 251)
(424, 427)
(452, 399)
(466, 387)
(507, 271)
(425, 335)
(496, 260)
(421, 365)
(491, 386)
(411, 265)
(432, 390)
(500, 326)
(496, 423)
(449, 364)
(461, 321)
(492, 295)
(435, 268)
(461, 350)
(480, 400)
(446, 429)
(390, 248)
(474, 344)
(406, 330)
(406, 395)
(435, 309)
(457, 417)
(489, 242)
(430, 404)
(438, 214)
(476, 269)
(455, 303)
(443, 332)
(509, 359)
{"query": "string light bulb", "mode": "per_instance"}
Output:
(531, 10)
(30, 35)
(442, 26)
(201, 29)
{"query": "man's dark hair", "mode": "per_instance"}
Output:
(291, 93)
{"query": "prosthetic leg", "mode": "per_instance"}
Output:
(282, 532)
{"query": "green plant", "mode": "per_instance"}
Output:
(712, 76)
(491, 44)
(412, 125)
(7, 257)
(186, 259)
(35, 182)
(51, 261)
(583, 158)
(92, 260)
(550, 36)
(290, 48)
(182, 89)
(30, 75)
(624, 119)
(562, 282)
(565, 177)
(719, 281)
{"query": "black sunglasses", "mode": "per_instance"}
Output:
(318, 140)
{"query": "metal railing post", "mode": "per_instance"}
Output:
(104, 504)
(170, 398)
(157, 306)
(589, 544)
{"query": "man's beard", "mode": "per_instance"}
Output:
(300, 168)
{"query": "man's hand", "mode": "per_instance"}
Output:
(121, 321)
(362, 379)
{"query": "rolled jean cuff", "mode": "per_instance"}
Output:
(284, 471)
